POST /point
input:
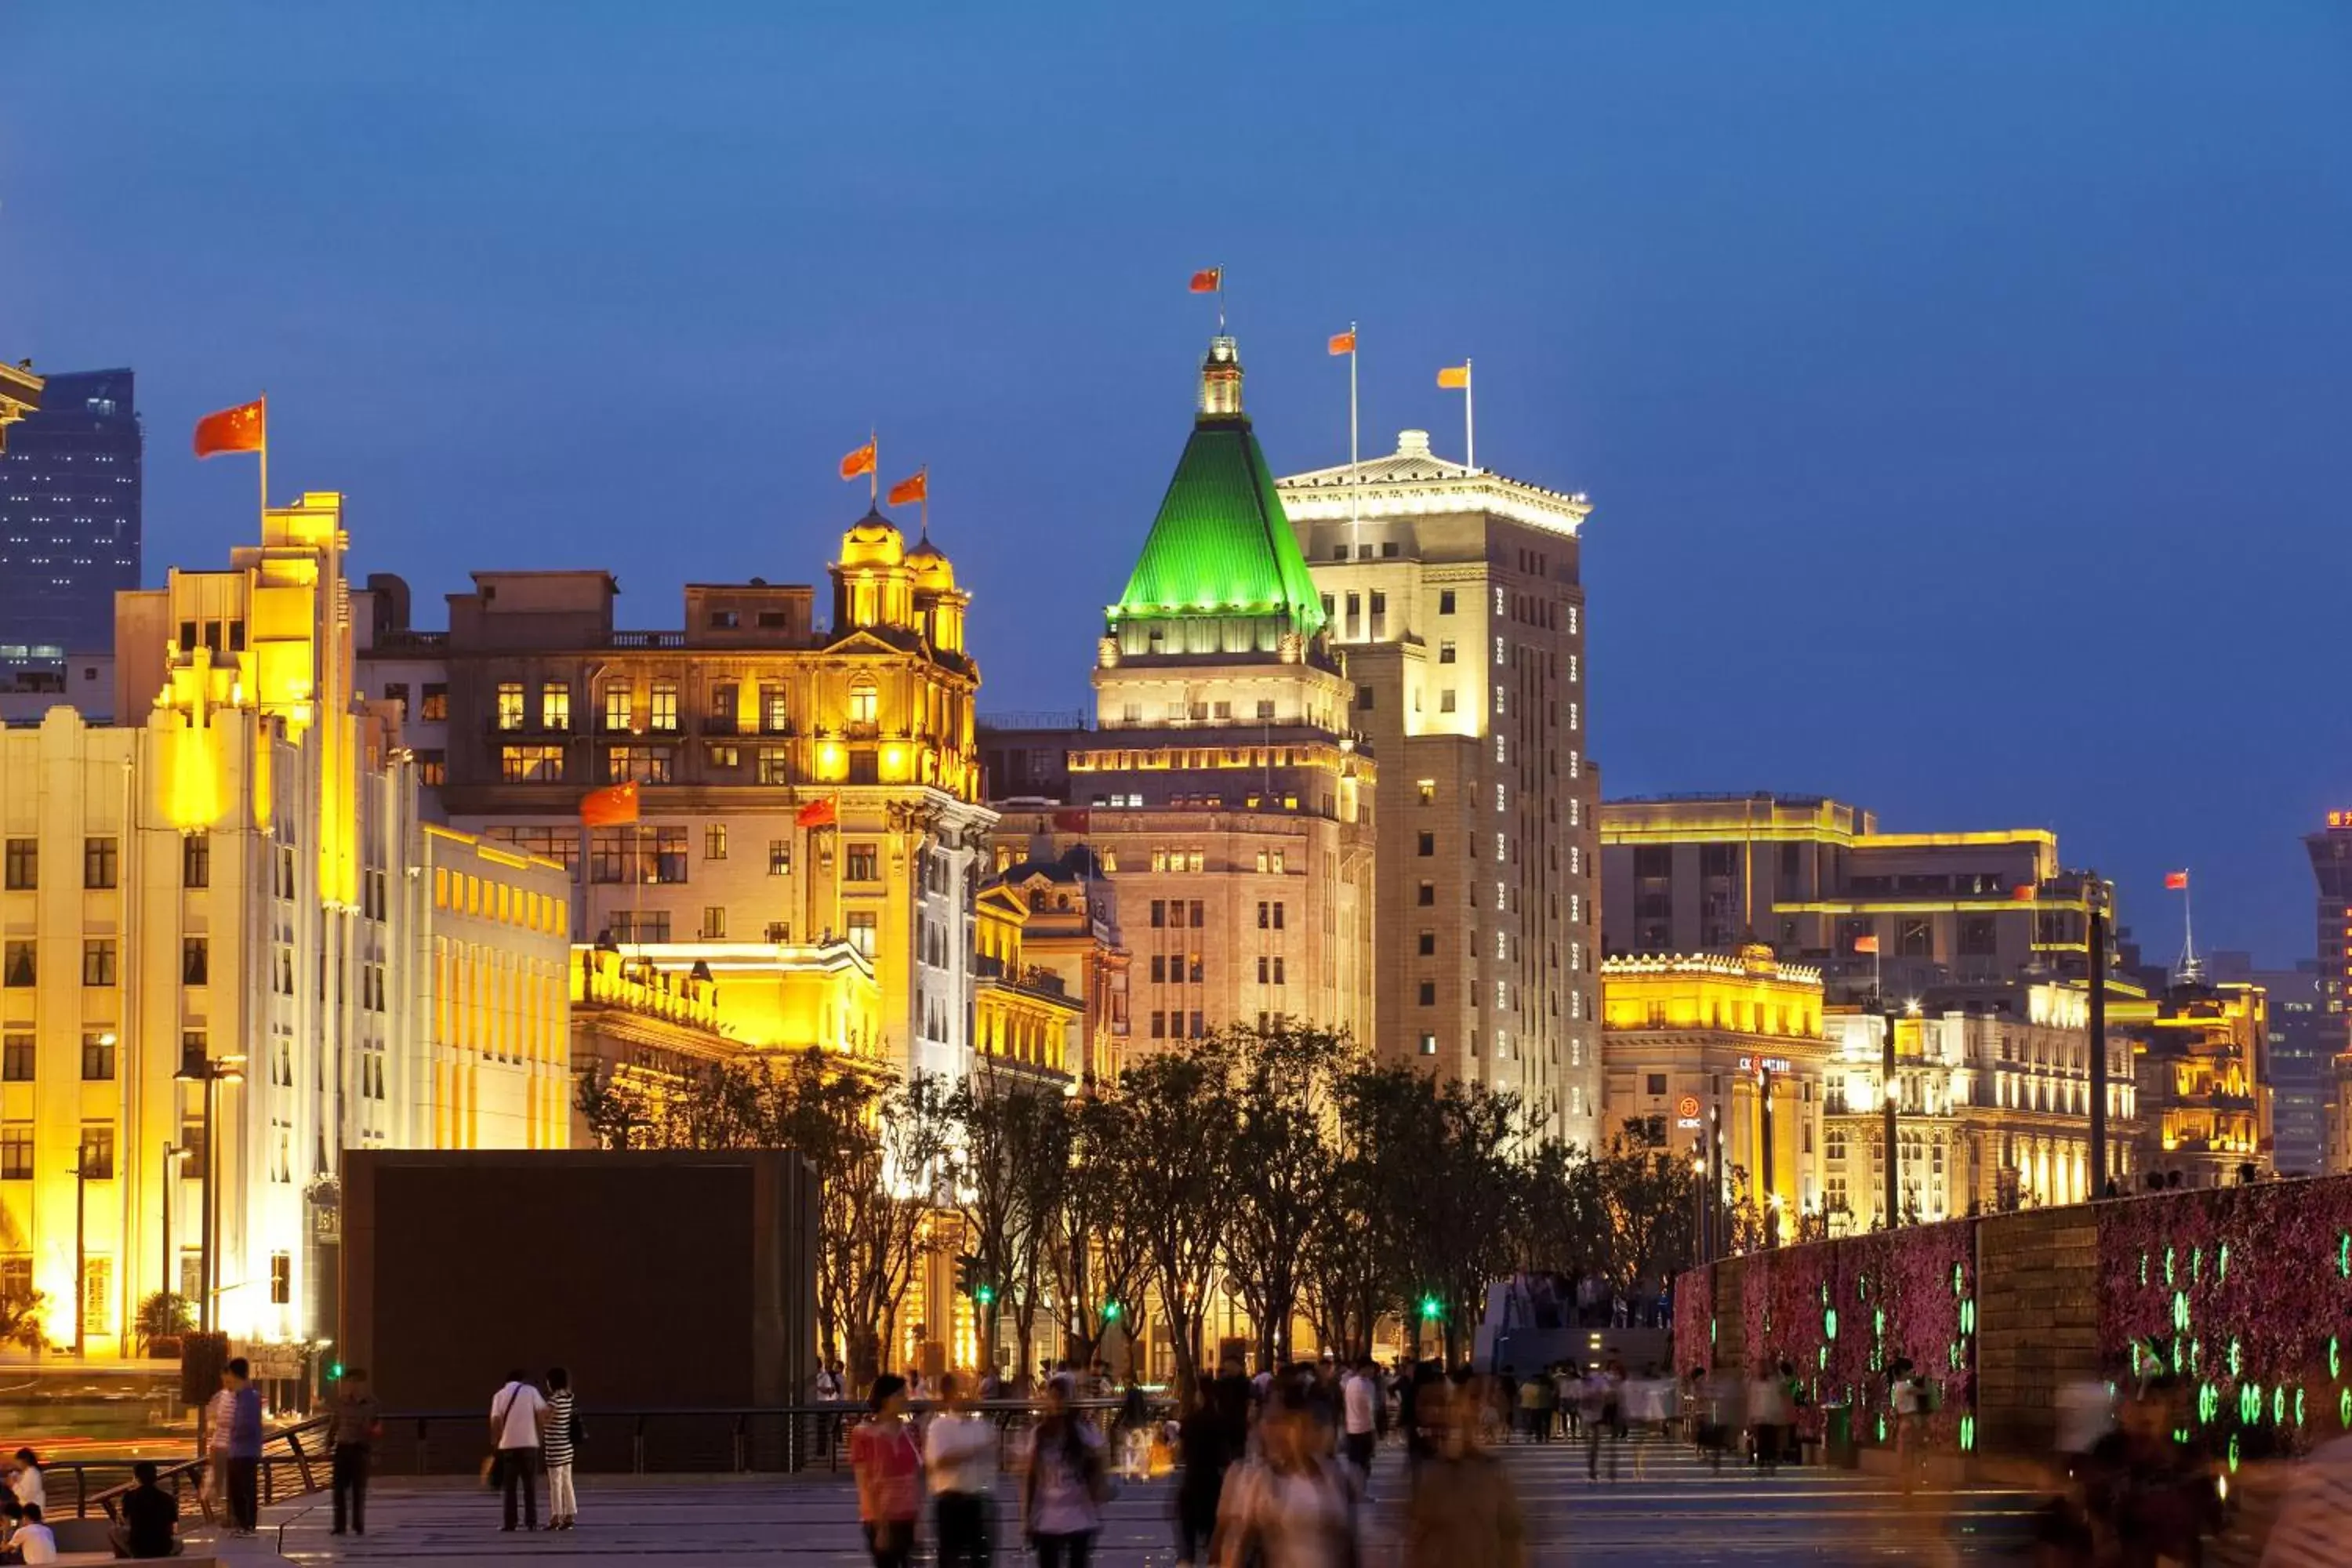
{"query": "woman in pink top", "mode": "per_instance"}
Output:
(889, 1469)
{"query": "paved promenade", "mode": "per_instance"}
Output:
(1674, 1510)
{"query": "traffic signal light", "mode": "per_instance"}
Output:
(1111, 1312)
(984, 1293)
(967, 1275)
(1432, 1307)
(335, 1372)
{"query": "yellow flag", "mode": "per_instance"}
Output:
(1454, 375)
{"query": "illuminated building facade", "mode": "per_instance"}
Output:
(1458, 598)
(1026, 1017)
(70, 504)
(1222, 788)
(1993, 1104)
(2331, 869)
(227, 905)
(1072, 931)
(1691, 1043)
(799, 785)
(1813, 878)
(2205, 1113)
(20, 395)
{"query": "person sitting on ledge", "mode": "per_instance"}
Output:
(151, 1517)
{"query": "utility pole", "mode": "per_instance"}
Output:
(2092, 893)
(81, 1250)
(1764, 1156)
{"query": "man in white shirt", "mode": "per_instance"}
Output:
(34, 1541)
(960, 1457)
(1359, 1398)
(517, 1414)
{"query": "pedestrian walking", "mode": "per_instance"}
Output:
(1065, 1487)
(959, 1460)
(1291, 1507)
(1464, 1512)
(1768, 1417)
(1360, 1400)
(355, 1422)
(560, 1446)
(888, 1467)
(517, 1416)
(1209, 1442)
(243, 1450)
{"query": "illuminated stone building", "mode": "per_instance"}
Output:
(1072, 931)
(1993, 1087)
(20, 395)
(1694, 1043)
(231, 902)
(798, 782)
(1458, 598)
(1224, 792)
(1026, 1017)
(1812, 877)
(2204, 1109)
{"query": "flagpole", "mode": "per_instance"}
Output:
(264, 459)
(2188, 930)
(1355, 476)
(1221, 301)
(925, 499)
(1469, 418)
(874, 473)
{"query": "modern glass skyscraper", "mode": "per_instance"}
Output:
(69, 519)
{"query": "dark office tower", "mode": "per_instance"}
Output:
(69, 520)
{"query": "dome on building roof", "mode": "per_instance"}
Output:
(873, 541)
(933, 572)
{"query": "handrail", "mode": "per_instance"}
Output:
(177, 1476)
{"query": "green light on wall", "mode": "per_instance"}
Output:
(2196, 1358)
(2222, 1264)
(1968, 1317)
(2233, 1453)
(2209, 1402)
(2250, 1403)
(1828, 1322)
(1882, 1427)
(2143, 1268)
(2344, 1254)
(2196, 1264)
(2278, 1405)
(2168, 1269)
(2298, 1405)
(2237, 1360)
(1823, 1356)
(1956, 1274)
(1968, 1434)
(2335, 1358)
(2180, 1311)
(2343, 1407)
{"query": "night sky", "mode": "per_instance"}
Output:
(1962, 391)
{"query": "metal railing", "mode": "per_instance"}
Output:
(300, 1467)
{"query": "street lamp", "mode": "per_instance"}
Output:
(173, 1155)
(210, 1071)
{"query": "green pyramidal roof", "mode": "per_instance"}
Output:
(1222, 544)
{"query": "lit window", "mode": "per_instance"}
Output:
(864, 704)
(555, 706)
(664, 716)
(510, 704)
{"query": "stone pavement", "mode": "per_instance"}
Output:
(1666, 1507)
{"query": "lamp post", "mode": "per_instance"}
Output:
(81, 1255)
(1886, 1113)
(173, 1155)
(211, 1072)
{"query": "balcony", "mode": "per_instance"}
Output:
(648, 639)
(1031, 978)
(607, 979)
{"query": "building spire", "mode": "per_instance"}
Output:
(1221, 380)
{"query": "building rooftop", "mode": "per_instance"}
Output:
(1414, 479)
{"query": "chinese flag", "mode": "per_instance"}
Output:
(1208, 280)
(817, 813)
(907, 492)
(240, 429)
(614, 806)
(2177, 881)
(861, 461)
(1070, 821)
(1456, 376)
(1865, 944)
(2022, 892)
(1344, 342)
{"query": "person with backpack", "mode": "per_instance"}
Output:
(1064, 1484)
(1294, 1506)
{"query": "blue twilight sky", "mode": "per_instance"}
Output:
(1962, 390)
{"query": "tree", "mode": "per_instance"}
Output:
(1354, 1264)
(876, 1143)
(1648, 1199)
(1177, 1120)
(1279, 1082)
(163, 1315)
(1012, 1166)
(1097, 1254)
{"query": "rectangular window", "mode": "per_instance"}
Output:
(1429, 992)
(714, 923)
(1425, 844)
(723, 757)
(434, 707)
(779, 857)
(863, 704)
(554, 706)
(1159, 913)
(195, 961)
(861, 931)
(1198, 922)
(510, 699)
(1160, 969)
(98, 1150)
(1426, 895)
(16, 1058)
(16, 1151)
(640, 925)
(862, 863)
(98, 1056)
(669, 855)
(531, 764)
(1446, 601)
(97, 961)
(775, 765)
(1277, 970)
(636, 764)
(281, 1278)
(726, 702)
(1265, 970)
(619, 696)
(97, 1291)
(714, 841)
(1445, 700)
(396, 691)
(1446, 653)
(1428, 1044)
(1657, 1084)
(1198, 1029)
(432, 769)
(775, 710)
(97, 865)
(1158, 1025)
(24, 864)
(196, 859)
(663, 717)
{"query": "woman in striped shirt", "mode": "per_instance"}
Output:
(556, 1445)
